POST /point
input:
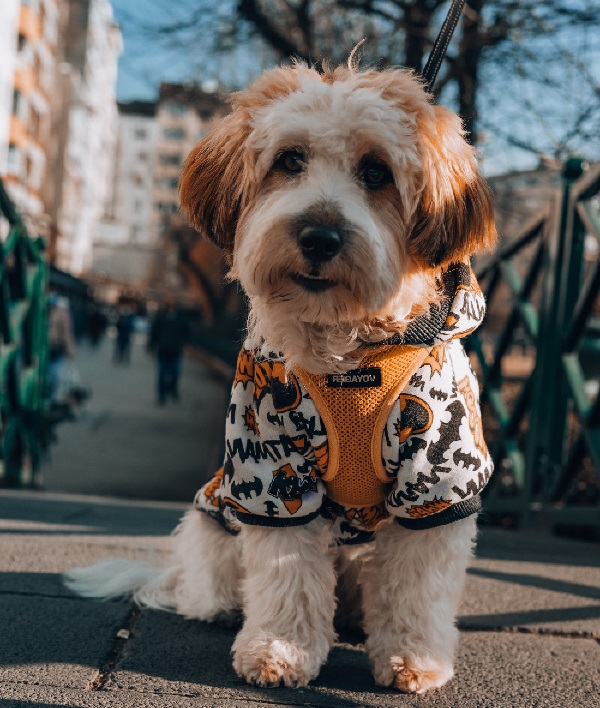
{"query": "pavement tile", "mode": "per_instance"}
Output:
(124, 445)
(43, 535)
(34, 566)
(523, 580)
(532, 595)
(24, 696)
(46, 514)
(54, 641)
(168, 655)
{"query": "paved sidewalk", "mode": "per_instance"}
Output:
(530, 619)
(123, 444)
(530, 623)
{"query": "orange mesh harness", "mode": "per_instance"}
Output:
(355, 417)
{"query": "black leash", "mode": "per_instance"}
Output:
(440, 46)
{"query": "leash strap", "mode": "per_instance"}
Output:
(440, 46)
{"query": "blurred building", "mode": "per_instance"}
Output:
(520, 195)
(58, 117)
(125, 246)
(184, 115)
(9, 21)
(136, 241)
(28, 51)
(130, 206)
(84, 123)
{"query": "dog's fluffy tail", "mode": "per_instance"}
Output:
(117, 578)
(200, 579)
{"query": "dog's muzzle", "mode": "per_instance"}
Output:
(319, 244)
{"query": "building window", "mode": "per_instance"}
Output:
(170, 159)
(167, 207)
(140, 133)
(34, 122)
(174, 133)
(17, 103)
(21, 42)
(176, 109)
(37, 66)
(14, 160)
(169, 182)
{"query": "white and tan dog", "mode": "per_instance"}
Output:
(348, 205)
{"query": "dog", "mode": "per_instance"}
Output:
(348, 206)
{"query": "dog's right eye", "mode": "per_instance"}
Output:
(291, 161)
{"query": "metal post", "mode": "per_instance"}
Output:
(545, 452)
(23, 285)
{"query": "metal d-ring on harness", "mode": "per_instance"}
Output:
(440, 46)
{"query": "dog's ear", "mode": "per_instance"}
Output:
(213, 188)
(454, 218)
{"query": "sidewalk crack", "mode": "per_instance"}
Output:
(116, 652)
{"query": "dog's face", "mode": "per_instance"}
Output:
(332, 191)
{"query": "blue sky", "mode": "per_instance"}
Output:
(512, 107)
(145, 62)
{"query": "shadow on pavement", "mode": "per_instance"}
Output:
(51, 516)
(537, 581)
(530, 617)
(536, 547)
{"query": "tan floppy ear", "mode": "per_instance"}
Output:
(455, 217)
(212, 189)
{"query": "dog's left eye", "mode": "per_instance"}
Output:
(291, 161)
(374, 174)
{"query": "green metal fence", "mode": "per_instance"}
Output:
(23, 347)
(541, 363)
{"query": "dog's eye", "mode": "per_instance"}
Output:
(374, 174)
(291, 161)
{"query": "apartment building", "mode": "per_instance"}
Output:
(126, 246)
(84, 124)
(131, 198)
(9, 22)
(58, 118)
(185, 114)
(154, 139)
(31, 54)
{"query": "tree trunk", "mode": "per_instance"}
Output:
(417, 21)
(467, 67)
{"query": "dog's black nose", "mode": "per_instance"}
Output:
(319, 243)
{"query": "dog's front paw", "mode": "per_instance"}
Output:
(411, 675)
(269, 662)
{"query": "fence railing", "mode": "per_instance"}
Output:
(540, 360)
(23, 349)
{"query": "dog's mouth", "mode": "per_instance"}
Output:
(313, 283)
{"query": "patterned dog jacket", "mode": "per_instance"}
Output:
(399, 436)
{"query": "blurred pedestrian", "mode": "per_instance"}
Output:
(168, 335)
(61, 342)
(96, 324)
(124, 327)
